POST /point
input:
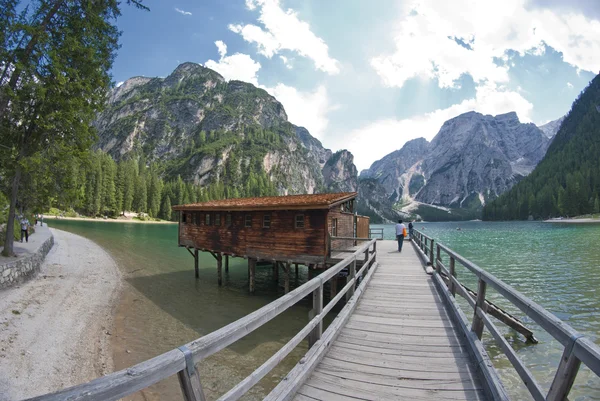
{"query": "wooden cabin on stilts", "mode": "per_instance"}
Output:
(285, 231)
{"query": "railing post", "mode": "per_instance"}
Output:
(477, 326)
(315, 335)
(453, 274)
(431, 252)
(189, 378)
(565, 374)
(374, 251)
(437, 256)
(351, 276)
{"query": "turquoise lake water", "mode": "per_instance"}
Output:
(163, 306)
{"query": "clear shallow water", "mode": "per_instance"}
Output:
(556, 265)
(163, 306)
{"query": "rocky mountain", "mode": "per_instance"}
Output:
(550, 129)
(195, 124)
(473, 158)
(567, 181)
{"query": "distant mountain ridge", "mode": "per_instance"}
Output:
(197, 125)
(473, 159)
(567, 181)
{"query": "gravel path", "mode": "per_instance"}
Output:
(55, 329)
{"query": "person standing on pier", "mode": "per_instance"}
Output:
(400, 234)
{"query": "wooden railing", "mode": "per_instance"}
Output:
(376, 232)
(577, 348)
(182, 361)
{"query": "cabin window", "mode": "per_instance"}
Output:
(217, 219)
(207, 219)
(299, 221)
(267, 221)
(248, 222)
(228, 219)
(197, 219)
(334, 227)
(183, 217)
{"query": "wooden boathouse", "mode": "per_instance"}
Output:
(282, 230)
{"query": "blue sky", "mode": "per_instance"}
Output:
(369, 76)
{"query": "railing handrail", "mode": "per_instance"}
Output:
(577, 347)
(127, 381)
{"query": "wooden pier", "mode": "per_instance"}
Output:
(400, 335)
(400, 342)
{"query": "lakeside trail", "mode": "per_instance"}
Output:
(55, 329)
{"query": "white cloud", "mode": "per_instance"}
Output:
(119, 84)
(287, 62)
(375, 140)
(180, 11)
(426, 45)
(569, 85)
(237, 66)
(283, 30)
(306, 109)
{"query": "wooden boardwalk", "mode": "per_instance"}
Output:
(399, 343)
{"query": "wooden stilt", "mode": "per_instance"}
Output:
(219, 258)
(196, 269)
(226, 263)
(296, 267)
(251, 272)
(286, 284)
(276, 271)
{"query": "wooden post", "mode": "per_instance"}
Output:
(477, 326)
(219, 258)
(296, 267)
(276, 271)
(453, 274)
(226, 263)
(437, 257)
(196, 269)
(350, 276)
(333, 287)
(286, 278)
(189, 379)
(374, 251)
(315, 335)
(251, 272)
(565, 374)
(431, 252)
(438, 266)
(366, 260)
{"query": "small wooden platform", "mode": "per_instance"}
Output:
(399, 344)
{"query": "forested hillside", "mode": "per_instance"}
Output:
(567, 180)
(101, 186)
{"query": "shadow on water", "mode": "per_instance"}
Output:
(203, 306)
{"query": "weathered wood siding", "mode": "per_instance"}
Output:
(345, 228)
(282, 241)
(362, 227)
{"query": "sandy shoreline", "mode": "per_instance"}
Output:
(50, 218)
(55, 329)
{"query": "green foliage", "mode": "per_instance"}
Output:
(54, 75)
(417, 181)
(567, 180)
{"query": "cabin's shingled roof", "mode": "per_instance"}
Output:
(289, 202)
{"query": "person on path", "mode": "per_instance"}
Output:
(24, 228)
(41, 220)
(410, 230)
(400, 233)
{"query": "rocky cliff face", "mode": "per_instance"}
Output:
(550, 129)
(472, 159)
(195, 124)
